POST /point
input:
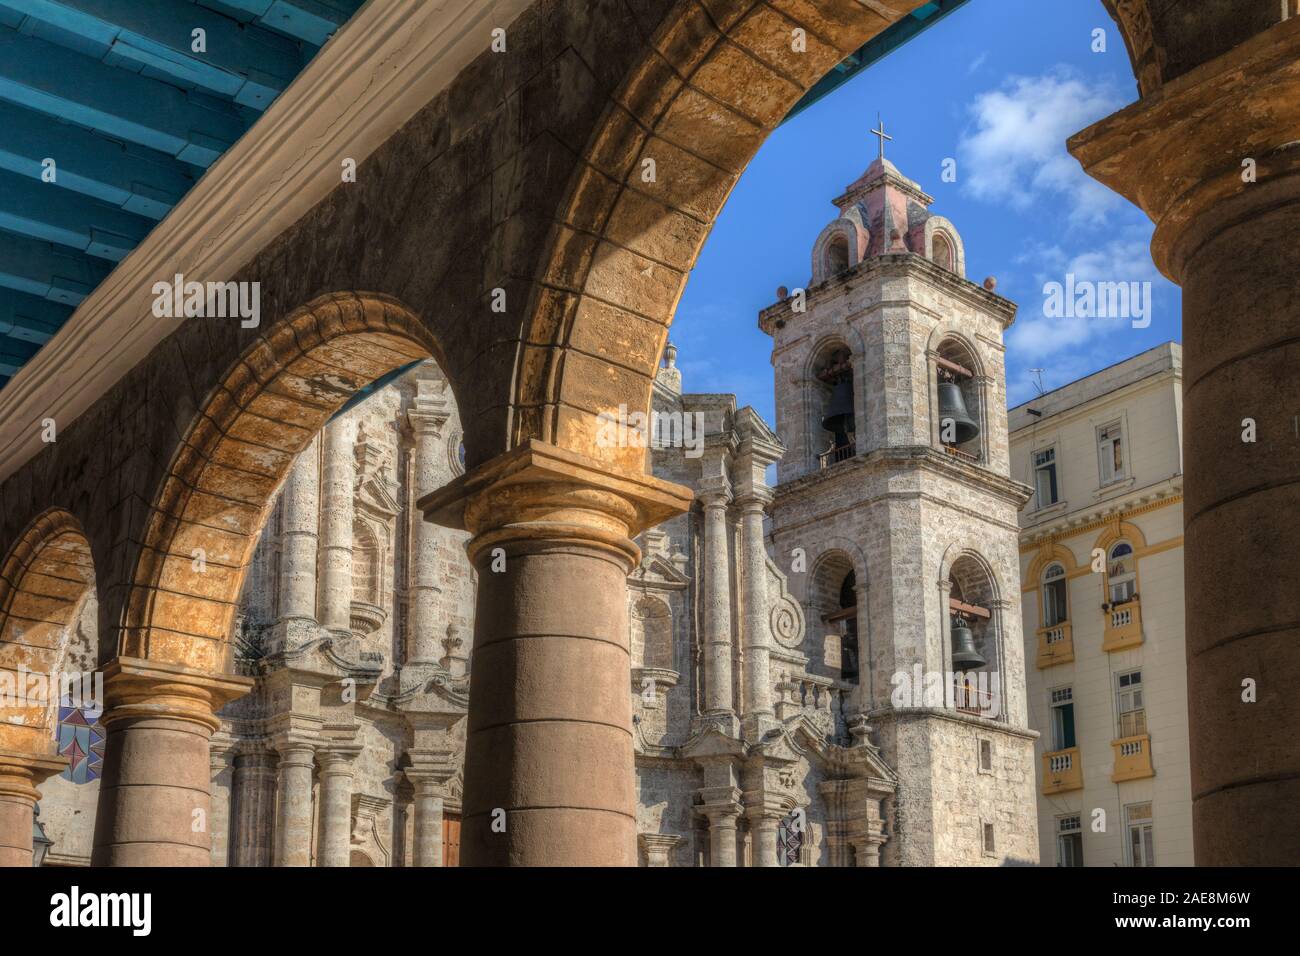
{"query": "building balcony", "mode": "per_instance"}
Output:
(1132, 758)
(1055, 645)
(1062, 771)
(1123, 626)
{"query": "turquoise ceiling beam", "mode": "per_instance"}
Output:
(311, 20)
(13, 356)
(48, 272)
(246, 64)
(920, 19)
(47, 211)
(29, 319)
(130, 177)
(191, 127)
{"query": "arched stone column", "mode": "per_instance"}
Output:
(1209, 154)
(549, 774)
(154, 807)
(20, 775)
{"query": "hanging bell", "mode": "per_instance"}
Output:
(952, 407)
(839, 413)
(964, 655)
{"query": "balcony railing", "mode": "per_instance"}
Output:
(1055, 645)
(828, 458)
(962, 455)
(1132, 758)
(969, 699)
(1123, 626)
(1062, 771)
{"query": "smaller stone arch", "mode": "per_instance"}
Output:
(1122, 531)
(950, 348)
(45, 580)
(939, 228)
(832, 599)
(820, 381)
(844, 233)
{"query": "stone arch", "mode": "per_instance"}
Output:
(713, 82)
(817, 394)
(972, 579)
(45, 580)
(214, 498)
(1122, 531)
(845, 231)
(940, 228)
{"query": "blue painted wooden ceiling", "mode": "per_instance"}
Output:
(116, 95)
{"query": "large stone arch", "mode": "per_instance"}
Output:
(215, 495)
(715, 79)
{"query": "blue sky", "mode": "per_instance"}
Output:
(998, 86)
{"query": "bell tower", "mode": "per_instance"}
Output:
(895, 517)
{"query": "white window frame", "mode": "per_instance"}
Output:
(1107, 435)
(1057, 699)
(1139, 836)
(1129, 577)
(1070, 825)
(1052, 579)
(1045, 468)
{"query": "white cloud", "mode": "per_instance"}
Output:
(1036, 337)
(977, 62)
(1015, 151)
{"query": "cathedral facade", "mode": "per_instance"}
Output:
(826, 670)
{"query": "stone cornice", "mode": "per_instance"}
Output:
(385, 64)
(1179, 151)
(1144, 500)
(892, 265)
(912, 457)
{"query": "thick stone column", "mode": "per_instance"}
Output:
(154, 807)
(20, 775)
(338, 506)
(764, 826)
(1212, 160)
(222, 761)
(424, 625)
(254, 829)
(428, 819)
(759, 713)
(293, 821)
(549, 777)
(298, 537)
(336, 806)
(718, 703)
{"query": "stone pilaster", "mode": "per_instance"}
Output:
(338, 508)
(718, 705)
(298, 536)
(428, 415)
(293, 819)
(20, 775)
(222, 764)
(759, 712)
(336, 777)
(154, 804)
(254, 811)
(1210, 155)
(549, 776)
(428, 804)
(721, 807)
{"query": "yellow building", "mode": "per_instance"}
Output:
(1101, 558)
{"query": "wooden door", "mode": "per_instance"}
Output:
(451, 839)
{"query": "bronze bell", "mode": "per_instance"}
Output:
(952, 406)
(964, 655)
(839, 413)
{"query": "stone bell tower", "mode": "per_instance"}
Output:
(895, 517)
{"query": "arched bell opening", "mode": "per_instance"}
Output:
(959, 401)
(833, 404)
(974, 645)
(835, 603)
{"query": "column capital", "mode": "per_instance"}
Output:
(295, 750)
(714, 492)
(139, 688)
(756, 499)
(1157, 154)
(336, 758)
(21, 774)
(541, 493)
(721, 805)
